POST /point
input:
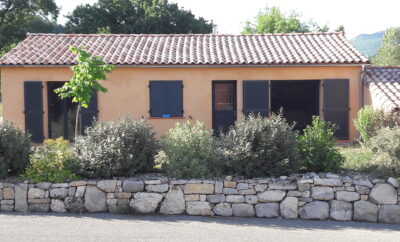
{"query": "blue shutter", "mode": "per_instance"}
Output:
(256, 97)
(34, 110)
(90, 113)
(336, 105)
(166, 99)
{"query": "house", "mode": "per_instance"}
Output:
(382, 87)
(171, 78)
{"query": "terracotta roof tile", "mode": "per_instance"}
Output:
(188, 49)
(384, 85)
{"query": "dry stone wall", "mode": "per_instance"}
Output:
(311, 196)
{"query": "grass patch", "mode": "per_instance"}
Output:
(355, 157)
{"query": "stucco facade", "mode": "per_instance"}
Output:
(128, 91)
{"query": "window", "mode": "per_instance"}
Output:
(166, 99)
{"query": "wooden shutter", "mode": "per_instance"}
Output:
(166, 98)
(90, 113)
(33, 98)
(256, 97)
(336, 105)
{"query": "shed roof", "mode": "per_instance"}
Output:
(189, 49)
(384, 85)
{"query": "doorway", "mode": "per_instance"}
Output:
(299, 100)
(61, 113)
(223, 105)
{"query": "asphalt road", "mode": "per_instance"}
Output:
(108, 227)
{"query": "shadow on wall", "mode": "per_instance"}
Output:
(233, 221)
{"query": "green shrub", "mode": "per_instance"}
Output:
(15, 147)
(370, 120)
(121, 148)
(257, 146)
(318, 149)
(188, 151)
(51, 162)
(385, 147)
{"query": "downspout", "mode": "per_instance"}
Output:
(362, 87)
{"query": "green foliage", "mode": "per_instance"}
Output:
(15, 147)
(257, 146)
(272, 20)
(136, 16)
(121, 148)
(17, 17)
(356, 156)
(51, 162)
(318, 149)
(86, 77)
(389, 52)
(366, 122)
(188, 151)
(385, 146)
(369, 121)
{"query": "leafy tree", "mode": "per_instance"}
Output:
(389, 52)
(17, 17)
(87, 75)
(272, 20)
(135, 16)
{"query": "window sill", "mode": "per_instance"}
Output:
(166, 118)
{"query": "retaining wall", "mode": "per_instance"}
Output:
(323, 197)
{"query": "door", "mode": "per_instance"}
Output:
(62, 113)
(223, 105)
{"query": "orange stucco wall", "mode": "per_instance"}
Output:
(128, 89)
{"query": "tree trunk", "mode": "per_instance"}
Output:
(77, 120)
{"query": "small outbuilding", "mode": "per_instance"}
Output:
(382, 87)
(172, 78)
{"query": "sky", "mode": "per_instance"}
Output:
(357, 16)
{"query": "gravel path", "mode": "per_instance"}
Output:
(109, 227)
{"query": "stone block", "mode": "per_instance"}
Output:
(174, 202)
(77, 183)
(132, 186)
(39, 207)
(365, 211)
(192, 197)
(80, 191)
(389, 214)
(199, 188)
(219, 186)
(217, 198)
(383, 194)
(235, 199)
(107, 185)
(145, 202)
(198, 208)
(57, 206)
(229, 184)
(289, 208)
(322, 193)
(364, 182)
(341, 210)
(242, 186)
(251, 199)
(328, 182)
(59, 192)
(38, 200)
(347, 196)
(8, 193)
(95, 199)
(317, 210)
(230, 191)
(122, 195)
(267, 210)
(160, 188)
(21, 191)
(260, 187)
(36, 193)
(223, 209)
(43, 185)
(282, 186)
(271, 196)
(247, 192)
(243, 210)
(362, 190)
